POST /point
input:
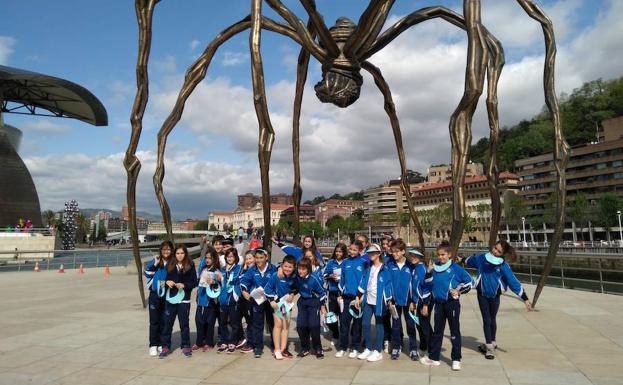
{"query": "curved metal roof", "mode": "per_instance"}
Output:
(29, 91)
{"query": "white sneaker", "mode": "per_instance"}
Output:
(386, 347)
(456, 365)
(375, 356)
(364, 355)
(428, 362)
(159, 349)
(353, 354)
(340, 353)
(153, 351)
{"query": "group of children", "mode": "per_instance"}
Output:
(389, 283)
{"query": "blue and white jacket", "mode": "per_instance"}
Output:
(255, 278)
(494, 279)
(154, 274)
(311, 287)
(202, 294)
(230, 286)
(383, 288)
(420, 293)
(328, 271)
(276, 288)
(401, 281)
(440, 283)
(352, 271)
(188, 278)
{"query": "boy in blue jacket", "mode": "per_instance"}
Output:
(257, 277)
(352, 272)
(494, 276)
(278, 288)
(446, 281)
(310, 306)
(420, 296)
(401, 272)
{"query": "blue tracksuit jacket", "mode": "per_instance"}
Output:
(419, 291)
(493, 279)
(230, 290)
(254, 278)
(311, 287)
(383, 288)
(401, 281)
(279, 287)
(440, 283)
(352, 271)
(154, 274)
(328, 270)
(202, 295)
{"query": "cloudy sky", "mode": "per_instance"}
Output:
(212, 153)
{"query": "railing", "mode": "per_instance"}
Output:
(70, 259)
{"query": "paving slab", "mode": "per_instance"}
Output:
(92, 329)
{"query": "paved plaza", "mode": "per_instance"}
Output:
(91, 329)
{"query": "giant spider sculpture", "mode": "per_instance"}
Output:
(344, 50)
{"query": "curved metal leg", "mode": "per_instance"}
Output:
(144, 14)
(561, 148)
(390, 108)
(461, 120)
(494, 70)
(267, 134)
(301, 78)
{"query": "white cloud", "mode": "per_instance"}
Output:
(194, 44)
(46, 126)
(167, 64)
(234, 58)
(6, 48)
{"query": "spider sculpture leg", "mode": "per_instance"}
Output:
(390, 109)
(561, 148)
(267, 133)
(194, 75)
(144, 15)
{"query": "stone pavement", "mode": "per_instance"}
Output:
(88, 329)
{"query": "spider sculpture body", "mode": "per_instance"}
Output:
(343, 51)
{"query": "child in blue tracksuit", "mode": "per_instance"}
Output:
(401, 272)
(420, 296)
(244, 305)
(181, 275)
(332, 274)
(276, 289)
(156, 273)
(352, 271)
(494, 276)
(230, 322)
(207, 307)
(257, 277)
(309, 243)
(310, 306)
(446, 281)
(374, 295)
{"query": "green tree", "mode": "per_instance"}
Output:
(309, 228)
(101, 234)
(202, 225)
(515, 209)
(83, 226)
(607, 212)
(212, 227)
(358, 213)
(578, 212)
(47, 218)
(334, 223)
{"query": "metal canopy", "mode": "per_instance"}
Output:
(25, 92)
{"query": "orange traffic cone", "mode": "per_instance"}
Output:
(36, 269)
(61, 269)
(107, 271)
(81, 270)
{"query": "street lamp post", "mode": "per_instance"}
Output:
(620, 230)
(523, 224)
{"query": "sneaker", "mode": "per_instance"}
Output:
(386, 347)
(303, 353)
(153, 351)
(375, 356)
(286, 354)
(340, 354)
(413, 355)
(231, 348)
(246, 349)
(319, 354)
(428, 362)
(482, 348)
(159, 349)
(188, 352)
(196, 347)
(165, 352)
(353, 354)
(456, 365)
(490, 352)
(364, 355)
(278, 355)
(221, 348)
(395, 354)
(257, 353)
(241, 343)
